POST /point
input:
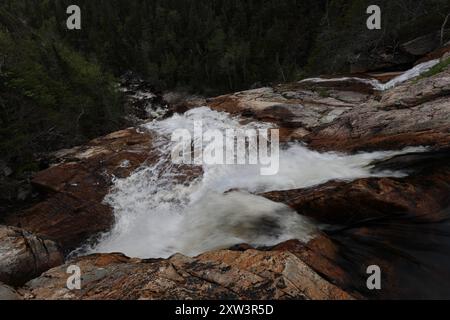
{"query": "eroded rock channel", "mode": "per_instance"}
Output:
(364, 179)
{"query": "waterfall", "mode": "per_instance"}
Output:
(158, 215)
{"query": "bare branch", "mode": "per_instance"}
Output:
(443, 28)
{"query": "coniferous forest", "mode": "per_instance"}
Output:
(58, 87)
(244, 151)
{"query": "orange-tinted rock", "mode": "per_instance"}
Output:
(73, 211)
(289, 107)
(215, 275)
(412, 114)
(343, 116)
(398, 224)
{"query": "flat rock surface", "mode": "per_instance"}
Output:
(399, 224)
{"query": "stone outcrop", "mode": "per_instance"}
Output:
(386, 58)
(399, 224)
(328, 116)
(423, 193)
(409, 115)
(24, 256)
(223, 274)
(417, 92)
(293, 109)
(142, 100)
(389, 222)
(405, 54)
(73, 210)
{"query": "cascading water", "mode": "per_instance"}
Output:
(158, 215)
(377, 85)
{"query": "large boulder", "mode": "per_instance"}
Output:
(220, 275)
(24, 256)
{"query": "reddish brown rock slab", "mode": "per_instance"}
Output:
(436, 139)
(72, 211)
(343, 203)
(350, 83)
(287, 106)
(398, 224)
(215, 275)
(24, 256)
(323, 255)
(384, 76)
(8, 293)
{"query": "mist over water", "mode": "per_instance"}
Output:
(157, 215)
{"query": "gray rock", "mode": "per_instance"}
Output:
(221, 274)
(8, 293)
(24, 256)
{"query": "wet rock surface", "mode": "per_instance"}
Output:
(73, 210)
(399, 224)
(8, 293)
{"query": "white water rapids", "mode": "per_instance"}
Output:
(157, 216)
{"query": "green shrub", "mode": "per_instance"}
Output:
(440, 67)
(50, 96)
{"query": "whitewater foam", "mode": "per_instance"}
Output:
(157, 215)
